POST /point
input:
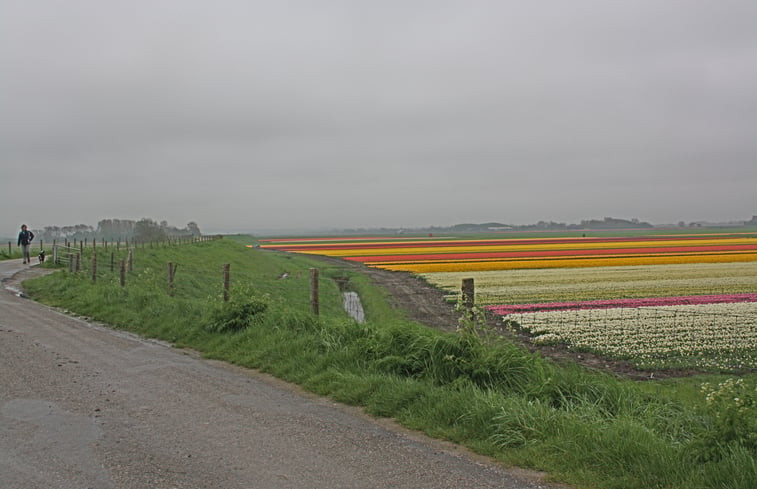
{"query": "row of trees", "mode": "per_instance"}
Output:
(118, 229)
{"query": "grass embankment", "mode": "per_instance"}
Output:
(585, 428)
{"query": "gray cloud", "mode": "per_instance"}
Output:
(244, 115)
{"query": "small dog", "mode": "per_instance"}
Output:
(41, 256)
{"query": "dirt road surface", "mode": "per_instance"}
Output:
(84, 406)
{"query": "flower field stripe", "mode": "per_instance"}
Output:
(378, 249)
(543, 259)
(283, 242)
(441, 259)
(504, 310)
(525, 286)
(446, 245)
(332, 239)
(461, 266)
(721, 336)
(472, 255)
(337, 243)
(444, 254)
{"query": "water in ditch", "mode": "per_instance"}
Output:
(353, 306)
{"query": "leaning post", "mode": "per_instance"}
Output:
(469, 294)
(314, 305)
(226, 282)
(171, 273)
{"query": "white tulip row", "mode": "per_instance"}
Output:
(721, 336)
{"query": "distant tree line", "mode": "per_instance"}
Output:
(606, 223)
(118, 229)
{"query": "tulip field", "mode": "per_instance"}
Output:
(657, 300)
(718, 336)
(430, 255)
(498, 287)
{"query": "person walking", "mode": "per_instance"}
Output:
(25, 238)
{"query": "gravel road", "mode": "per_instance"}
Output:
(84, 406)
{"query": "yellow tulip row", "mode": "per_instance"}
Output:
(462, 266)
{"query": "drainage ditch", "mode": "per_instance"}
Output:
(351, 300)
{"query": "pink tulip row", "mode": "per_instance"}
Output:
(504, 310)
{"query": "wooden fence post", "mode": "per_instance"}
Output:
(94, 267)
(78, 262)
(123, 273)
(171, 273)
(469, 294)
(70, 263)
(112, 260)
(314, 304)
(131, 260)
(226, 282)
(9, 248)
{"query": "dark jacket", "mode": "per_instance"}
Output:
(25, 237)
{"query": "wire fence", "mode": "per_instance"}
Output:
(119, 263)
(102, 256)
(71, 246)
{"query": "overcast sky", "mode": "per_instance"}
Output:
(248, 115)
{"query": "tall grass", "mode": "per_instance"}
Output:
(586, 428)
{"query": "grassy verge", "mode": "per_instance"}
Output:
(586, 428)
